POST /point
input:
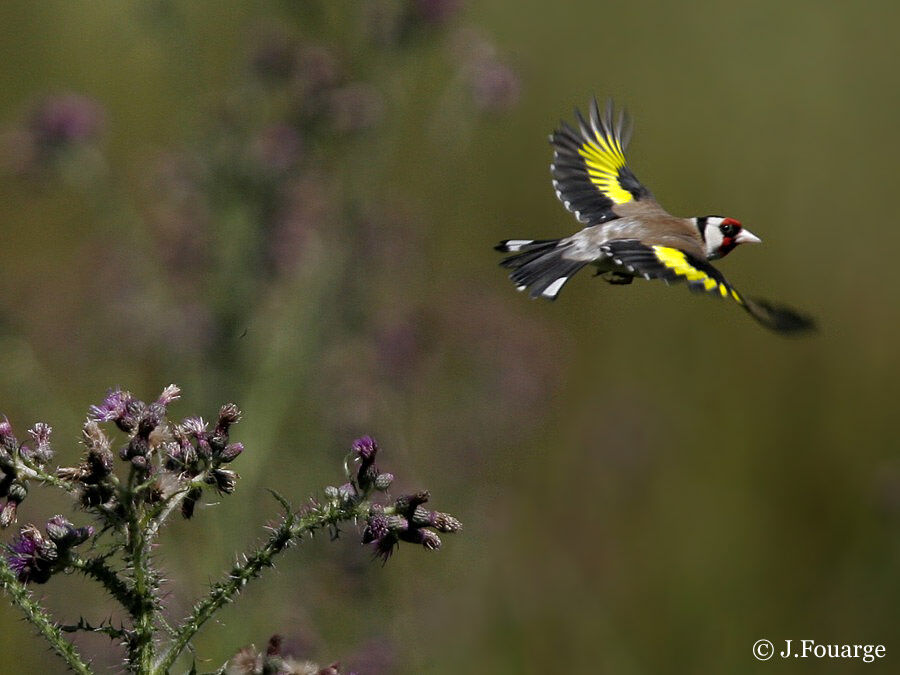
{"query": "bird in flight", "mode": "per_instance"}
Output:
(626, 233)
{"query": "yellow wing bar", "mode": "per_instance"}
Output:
(590, 174)
(671, 265)
(604, 158)
(677, 262)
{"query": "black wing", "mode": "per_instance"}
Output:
(590, 174)
(674, 265)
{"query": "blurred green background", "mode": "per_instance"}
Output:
(292, 205)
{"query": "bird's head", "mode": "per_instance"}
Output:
(721, 235)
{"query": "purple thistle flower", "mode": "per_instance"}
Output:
(114, 406)
(365, 447)
(228, 414)
(31, 556)
(169, 394)
(8, 441)
(42, 452)
(150, 417)
(193, 426)
(384, 546)
(376, 528)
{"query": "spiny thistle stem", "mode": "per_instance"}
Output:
(170, 466)
(29, 470)
(291, 529)
(97, 569)
(137, 550)
(36, 615)
(143, 611)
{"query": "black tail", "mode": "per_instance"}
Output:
(538, 265)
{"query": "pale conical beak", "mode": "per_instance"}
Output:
(747, 237)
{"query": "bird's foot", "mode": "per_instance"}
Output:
(616, 278)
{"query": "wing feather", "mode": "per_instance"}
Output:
(589, 169)
(673, 265)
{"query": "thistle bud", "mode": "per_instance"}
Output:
(231, 452)
(58, 528)
(65, 535)
(8, 514)
(426, 538)
(383, 481)
(407, 503)
(224, 480)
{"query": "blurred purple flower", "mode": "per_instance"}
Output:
(355, 107)
(177, 207)
(276, 149)
(274, 56)
(318, 69)
(399, 347)
(66, 119)
(495, 86)
(436, 12)
(307, 207)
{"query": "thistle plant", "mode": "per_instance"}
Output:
(138, 469)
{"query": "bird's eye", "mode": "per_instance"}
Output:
(728, 230)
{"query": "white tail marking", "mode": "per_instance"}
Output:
(553, 289)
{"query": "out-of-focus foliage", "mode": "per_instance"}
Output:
(292, 205)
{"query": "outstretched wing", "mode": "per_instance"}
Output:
(589, 170)
(674, 265)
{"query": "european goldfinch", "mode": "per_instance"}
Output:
(628, 234)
